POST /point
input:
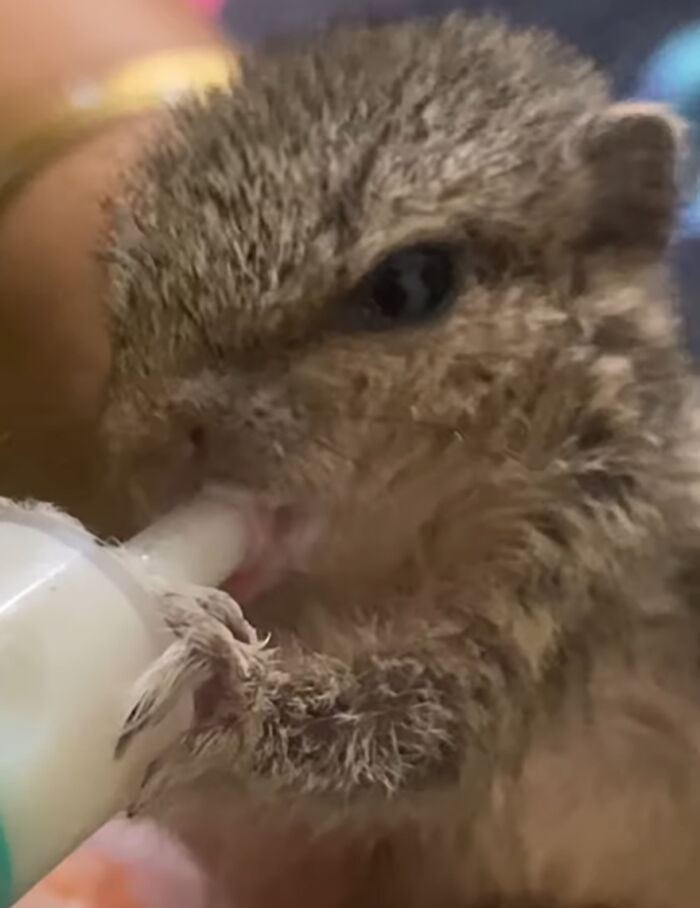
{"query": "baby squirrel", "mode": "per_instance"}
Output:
(410, 280)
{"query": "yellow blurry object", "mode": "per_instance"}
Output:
(31, 141)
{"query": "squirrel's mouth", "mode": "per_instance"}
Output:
(280, 536)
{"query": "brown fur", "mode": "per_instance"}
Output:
(511, 490)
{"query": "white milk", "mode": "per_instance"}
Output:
(76, 631)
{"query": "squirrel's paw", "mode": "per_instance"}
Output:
(212, 654)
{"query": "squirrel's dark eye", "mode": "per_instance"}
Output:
(411, 284)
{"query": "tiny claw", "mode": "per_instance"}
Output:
(122, 743)
(132, 809)
(134, 722)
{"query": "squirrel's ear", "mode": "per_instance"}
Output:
(632, 154)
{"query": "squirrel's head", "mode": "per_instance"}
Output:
(418, 251)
